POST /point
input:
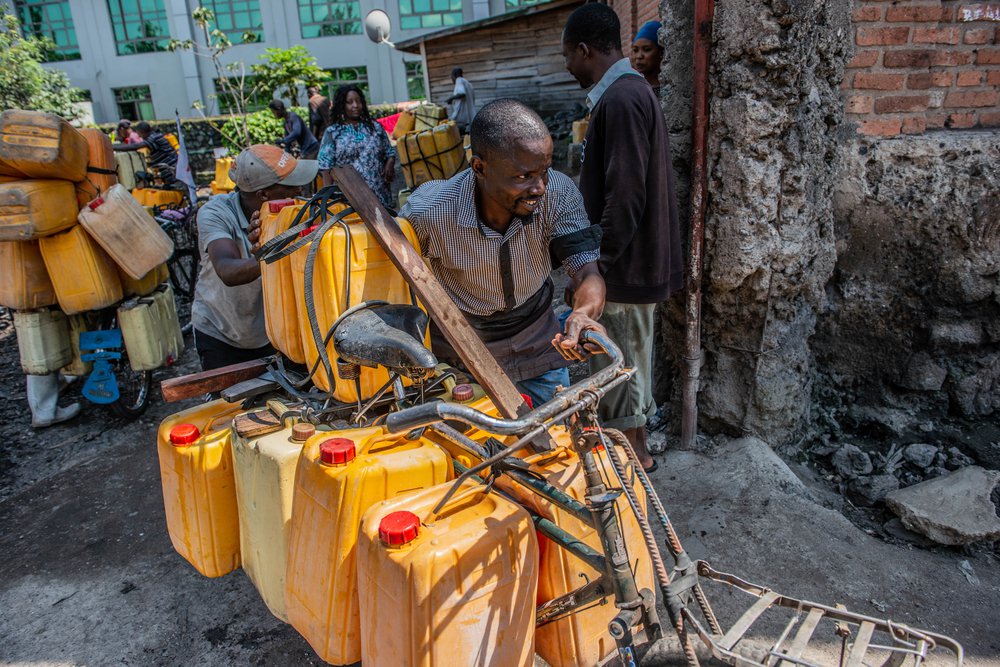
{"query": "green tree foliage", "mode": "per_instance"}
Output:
(24, 83)
(261, 127)
(283, 71)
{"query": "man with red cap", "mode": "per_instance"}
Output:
(228, 309)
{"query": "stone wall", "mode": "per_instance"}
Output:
(200, 137)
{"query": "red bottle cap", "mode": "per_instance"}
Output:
(337, 451)
(307, 231)
(399, 528)
(278, 204)
(302, 432)
(462, 392)
(527, 399)
(184, 434)
(94, 204)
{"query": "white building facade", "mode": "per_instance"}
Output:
(116, 49)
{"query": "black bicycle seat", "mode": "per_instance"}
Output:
(389, 335)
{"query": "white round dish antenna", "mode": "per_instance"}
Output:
(378, 26)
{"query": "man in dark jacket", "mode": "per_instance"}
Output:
(296, 131)
(628, 189)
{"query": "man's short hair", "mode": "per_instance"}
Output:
(456, 72)
(503, 123)
(312, 90)
(143, 126)
(276, 105)
(596, 25)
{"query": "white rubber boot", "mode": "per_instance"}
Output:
(43, 396)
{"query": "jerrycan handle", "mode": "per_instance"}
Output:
(227, 413)
(446, 501)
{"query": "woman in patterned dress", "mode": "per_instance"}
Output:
(353, 138)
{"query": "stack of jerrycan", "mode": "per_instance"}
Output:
(153, 197)
(436, 153)
(453, 587)
(199, 488)
(222, 182)
(340, 475)
(350, 268)
(427, 116)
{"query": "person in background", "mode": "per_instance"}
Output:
(629, 190)
(355, 139)
(462, 103)
(162, 155)
(228, 309)
(647, 54)
(43, 397)
(296, 131)
(124, 134)
(319, 112)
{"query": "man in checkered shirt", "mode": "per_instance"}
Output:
(492, 233)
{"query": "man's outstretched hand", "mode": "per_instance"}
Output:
(568, 342)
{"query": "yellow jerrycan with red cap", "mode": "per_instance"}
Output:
(456, 587)
(199, 490)
(340, 475)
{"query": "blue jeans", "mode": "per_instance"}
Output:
(541, 389)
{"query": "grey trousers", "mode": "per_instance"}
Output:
(631, 327)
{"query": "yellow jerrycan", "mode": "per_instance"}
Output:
(78, 324)
(41, 145)
(102, 169)
(43, 340)
(222, 182)
(340, 475)
(126, 232)
(281, 309)
(24, 281)
(170, 325)
(144, 285)
(83, 275)
(150, 330)
(33, 209)
(351, 267)
(265, 481)
(199, 493)
(582, 638)
(154, 197)
(454, 588)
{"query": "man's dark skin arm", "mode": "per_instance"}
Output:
(588, 304)
(224, 254)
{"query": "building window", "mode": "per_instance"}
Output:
(517, 4)
(239, 19)
(415, 80)
(50, 19)
(344, 75)
(140, 26)
(328, 18)
(256, 100)
(134, 103)
(415, 14)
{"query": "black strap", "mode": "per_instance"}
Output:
(98, 170)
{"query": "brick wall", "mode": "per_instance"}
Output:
(632, 14)
(922, 66)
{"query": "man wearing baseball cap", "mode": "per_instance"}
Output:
(228, 308)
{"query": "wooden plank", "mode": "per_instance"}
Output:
(449, 318)
(196, 384)
(803, 635)
(736, 632)
(856, 657)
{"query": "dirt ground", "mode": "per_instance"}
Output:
(89, 576)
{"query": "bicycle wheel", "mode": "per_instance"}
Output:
(134, 387)
(183, 270)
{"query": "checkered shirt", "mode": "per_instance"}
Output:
(486, 272)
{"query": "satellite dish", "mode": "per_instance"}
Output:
(378, 26)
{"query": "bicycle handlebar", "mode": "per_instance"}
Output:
(430, 413)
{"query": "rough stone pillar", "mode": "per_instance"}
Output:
(769, 241)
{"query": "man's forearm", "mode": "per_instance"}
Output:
(233, 272)
(589, 292)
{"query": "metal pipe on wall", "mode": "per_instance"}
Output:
(702, 38)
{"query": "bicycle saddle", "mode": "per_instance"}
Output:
(387, 335)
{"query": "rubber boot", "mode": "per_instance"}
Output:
(637, 436)
(43, 397)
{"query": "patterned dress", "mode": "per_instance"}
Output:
(364, 148)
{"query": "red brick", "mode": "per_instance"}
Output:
(967, 79)
(961, 121)
(979, 36)
(870, 81)
(882, 36)
(901, 103)
(925, 80)
(936, 35)
(918, 13)
(993, 77)
(867, 14)
(980, 12)
(979, 98)
(920, 58)
(858, 104)
(864, 59)
(914, 125)
(880, 128)
(991, 119)
(988, 57)
(936, 122)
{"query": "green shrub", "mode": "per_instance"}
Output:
(262, 126)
